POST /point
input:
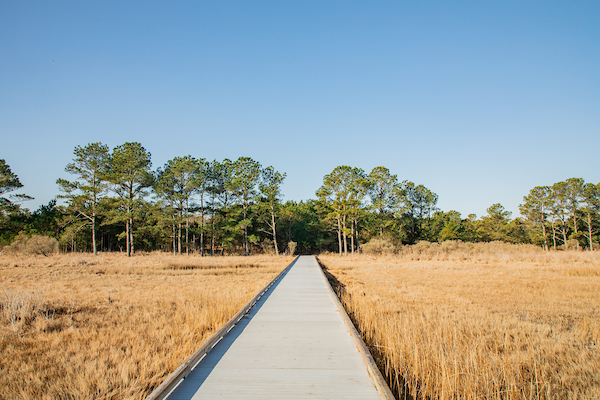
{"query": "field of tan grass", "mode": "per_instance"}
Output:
(112, 327)
(470, 321)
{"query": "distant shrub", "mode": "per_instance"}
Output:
(451, 245)
(378, 245)
(267, 247)
(456, 249)
(34, 245)
(572, 244)
(292, 247)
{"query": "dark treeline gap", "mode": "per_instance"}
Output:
(114, 201)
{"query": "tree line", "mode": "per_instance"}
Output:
(114, 201)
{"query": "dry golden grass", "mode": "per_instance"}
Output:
(109, 327)
(469, 321)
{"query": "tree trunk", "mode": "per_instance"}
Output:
(212, 235)
(246, 252)
(544, 234)
(131, 236)
(345, 235)
(352, 237)
(174, 237)
(179, 237)
(187, 227)
(202, 224)
(94, 221)
(274, 230)
(129, 227)
(356, 233)
(127, 235)
(590, 231)
(339, 232)
(575, 225)
(94, 234)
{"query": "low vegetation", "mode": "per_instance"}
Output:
(478, 320)
(113, 327)
(34, 245)
(451, 320)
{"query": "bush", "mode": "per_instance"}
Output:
(267, 246)
(292, 247)
(451, 245)
(571, 244)
(456, 249)
(378, 245)
(36, 244)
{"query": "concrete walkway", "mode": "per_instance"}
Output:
(293, 344)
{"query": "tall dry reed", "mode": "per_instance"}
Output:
(470, 321)
(112, 327)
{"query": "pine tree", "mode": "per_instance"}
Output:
(270, 188)
(129, 174)
(84, 194)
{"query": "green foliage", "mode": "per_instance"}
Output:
(270, 185)
(494, 226)
(223, 207)
(12, 218)
(245, 174)
(270, 189)
(416, 203)
(8, 180)
(342, 195)
(47, 220)
(452, 228)
(129, 171)
(383, 192)
(90, 167)
(565, 214)
(302, 223)
(129, 174)
(175, 186)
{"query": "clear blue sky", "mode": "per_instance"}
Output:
(479, 101)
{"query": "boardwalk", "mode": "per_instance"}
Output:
(293, 344)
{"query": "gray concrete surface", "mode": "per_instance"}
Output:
(293, 344)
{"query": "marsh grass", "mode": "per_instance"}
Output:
(471, 321)
(112, 327)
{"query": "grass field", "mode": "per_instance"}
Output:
(112, 327)
(449, 321)
(471, 321)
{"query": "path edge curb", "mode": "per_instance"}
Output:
(378, 379)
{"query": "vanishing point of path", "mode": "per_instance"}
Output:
(292, 344)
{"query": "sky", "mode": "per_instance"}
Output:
(478, 101)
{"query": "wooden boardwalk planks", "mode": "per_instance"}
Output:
(293, 344)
